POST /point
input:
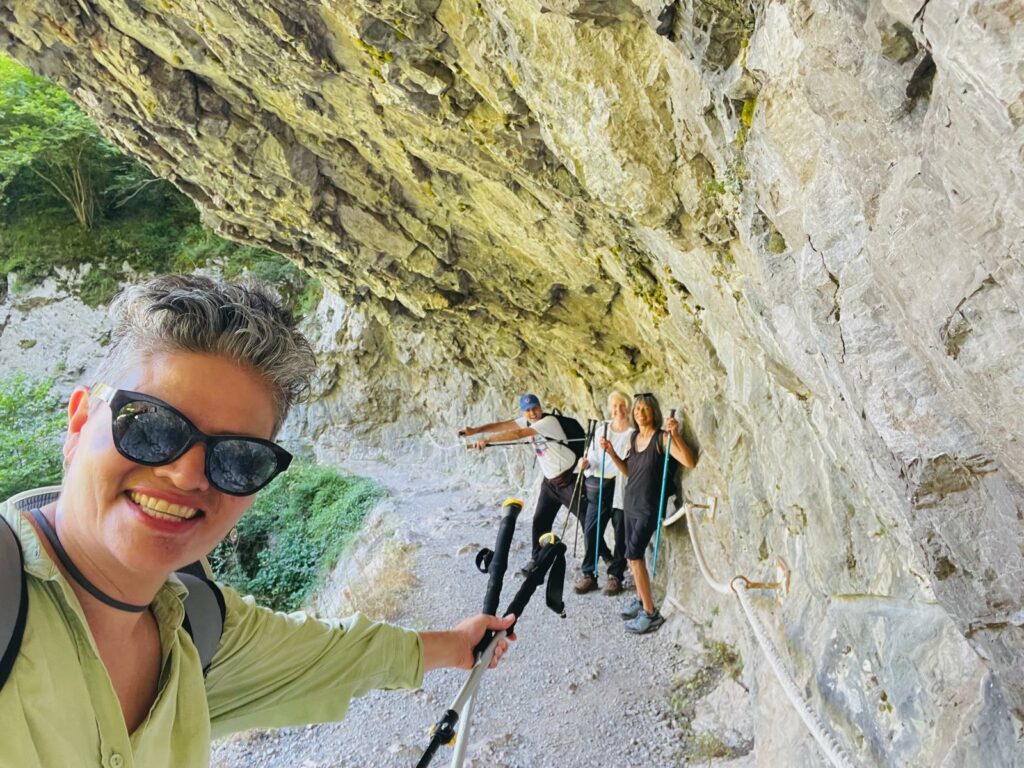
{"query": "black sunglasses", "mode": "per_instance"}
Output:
(151, 432)
(638, 395)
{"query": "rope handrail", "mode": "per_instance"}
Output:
(739, 586)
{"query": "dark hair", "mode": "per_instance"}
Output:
(649, 399)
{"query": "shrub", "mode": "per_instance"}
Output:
(295, 533)
(31, 422)
(116, 217)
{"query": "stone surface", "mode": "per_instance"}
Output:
(46, 331)
(800, 222)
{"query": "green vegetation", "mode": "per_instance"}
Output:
(45, 137)
(294, 534)
(31, 421)
(69, 199)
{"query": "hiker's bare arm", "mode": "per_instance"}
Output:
(494, 426)
(610, 450)
(518, 433)
(680, 451)
(454, 648)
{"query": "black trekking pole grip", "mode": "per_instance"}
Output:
(498, 564)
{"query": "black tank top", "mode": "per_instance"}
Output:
(645, 474)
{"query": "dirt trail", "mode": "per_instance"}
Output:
(578, 691)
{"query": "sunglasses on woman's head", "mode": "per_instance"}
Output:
(151, 432)
(639, 395)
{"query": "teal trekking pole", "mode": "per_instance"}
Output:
(661, 503)
(600, 504)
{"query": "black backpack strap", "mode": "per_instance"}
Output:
(13, 598)
(204, 611)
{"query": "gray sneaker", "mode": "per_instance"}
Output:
(645, 622)
(633, 608)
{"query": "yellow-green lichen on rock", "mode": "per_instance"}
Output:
(798, 222)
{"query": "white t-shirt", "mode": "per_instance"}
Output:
(554, 458)
(620, 442)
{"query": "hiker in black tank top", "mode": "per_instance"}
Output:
(645, 473)
(645, 468)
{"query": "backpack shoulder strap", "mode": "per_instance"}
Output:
(13, 598)
(204, 611)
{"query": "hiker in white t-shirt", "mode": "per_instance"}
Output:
(557, 460)
(608, 492)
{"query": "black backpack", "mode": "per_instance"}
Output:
(204, 605)
(575, 435)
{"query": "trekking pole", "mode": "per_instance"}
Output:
(600, 503)
(661, 503)
(551, 558)
(494, 563)
(575, 499)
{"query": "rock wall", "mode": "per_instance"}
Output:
(800, 222)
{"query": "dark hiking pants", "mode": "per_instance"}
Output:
(617, 566)
(555, 493)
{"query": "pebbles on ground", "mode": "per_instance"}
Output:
(577, 691)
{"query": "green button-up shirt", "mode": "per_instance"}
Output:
(58, 709)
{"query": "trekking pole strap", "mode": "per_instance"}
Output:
(551, 558)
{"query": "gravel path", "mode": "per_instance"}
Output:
(578, 691)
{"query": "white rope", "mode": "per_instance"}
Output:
(828, 743)
(691, 526)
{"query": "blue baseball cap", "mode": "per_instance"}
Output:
(526, 402)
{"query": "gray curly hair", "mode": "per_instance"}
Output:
(188, 313)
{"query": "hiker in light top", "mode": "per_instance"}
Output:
(610, 497)
(106, 673)
(644, 465)
(557, 461)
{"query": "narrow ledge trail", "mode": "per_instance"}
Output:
(573, 692)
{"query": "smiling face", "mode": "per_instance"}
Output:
(619, 408)
(129, 520)
(643, 415)
(533, 414)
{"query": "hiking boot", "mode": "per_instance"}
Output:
(612, 587)
(586, 583)
(645, 622)
(632, 609)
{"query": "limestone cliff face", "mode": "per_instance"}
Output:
(801, 222)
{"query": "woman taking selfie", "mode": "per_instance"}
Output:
(163, 454)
